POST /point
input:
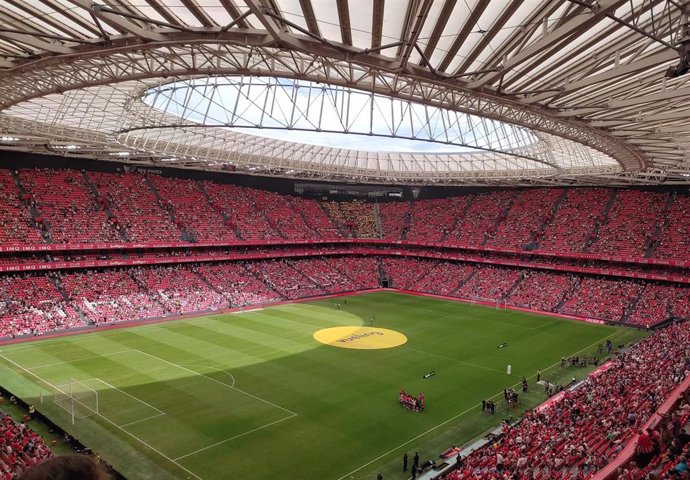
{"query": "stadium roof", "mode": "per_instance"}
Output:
(533, 91)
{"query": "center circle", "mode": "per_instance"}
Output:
(360, 338)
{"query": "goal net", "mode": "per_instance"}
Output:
(77, 399)
(489, 302)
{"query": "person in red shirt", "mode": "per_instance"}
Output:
(644, 449)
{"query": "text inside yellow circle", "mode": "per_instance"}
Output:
(359, 337)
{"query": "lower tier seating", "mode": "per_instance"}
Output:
(20, 448)
(575, 436)
(34, 303)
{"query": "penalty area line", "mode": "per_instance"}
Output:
(45, 382)
(445, 422)
(236, 436)
(232, 387)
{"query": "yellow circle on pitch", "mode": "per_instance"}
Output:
(361, 338)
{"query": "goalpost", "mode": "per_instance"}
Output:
(77, 399)
(497, 304)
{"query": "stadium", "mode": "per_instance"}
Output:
(344, 239)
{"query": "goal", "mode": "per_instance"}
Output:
(77, 399)
(489, 302)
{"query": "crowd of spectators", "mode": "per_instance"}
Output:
(395, 220)
(15, 219)
(69, 206)
(605, 298)
(189, 207)
(661, 452)
(20, 448)
(490, 283)
(660, 300)
(574, 223)
(530, 210)
(543, 291)
(674, 240)
(629, 226)
(479, 223)
(37, 302)
(135, 208)
(31, 304)
(64, 207)
(356, 219)
(445, 278)
(578, 433)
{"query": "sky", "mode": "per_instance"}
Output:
(317, 114)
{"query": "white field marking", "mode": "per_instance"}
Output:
(454, 359)
(291, 413)
(247, 310)
(220, 383)
(79, 359)
(142, 420)
(109, 421)
(547, 324)
(393, 450)
(236, 436)
(212, 368)
(161, 412)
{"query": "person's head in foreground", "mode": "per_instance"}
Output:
(67, 467)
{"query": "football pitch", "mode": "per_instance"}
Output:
(254, 395)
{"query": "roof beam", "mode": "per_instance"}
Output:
(48, 20)
(413, 36)
(70, 15)
(310, 17)
(613, 73)
(675, 114)
(476, 13)
(441, 23)
(198, 13)
(344, 17)
(163, 11)
(522, 34)
(573, 26)
(654, 97)
(234, 13)
(117, 21)
(35, 42)
(488, 36)
(376, 23)
(270, 24)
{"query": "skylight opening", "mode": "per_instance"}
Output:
(311, 113)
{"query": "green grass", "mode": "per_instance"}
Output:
(254, 396)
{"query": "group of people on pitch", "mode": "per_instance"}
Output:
(416, 404)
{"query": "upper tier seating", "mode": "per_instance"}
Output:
(575, 220)
(485, 212)
(16, 225)
(68, 206)
(630, 223)
(675, 234)
(192, 213)
(355, 219)
(432, 220)
(284, 218)
(135, 207)
(529, 211)
(67, 210)
(395, 220)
